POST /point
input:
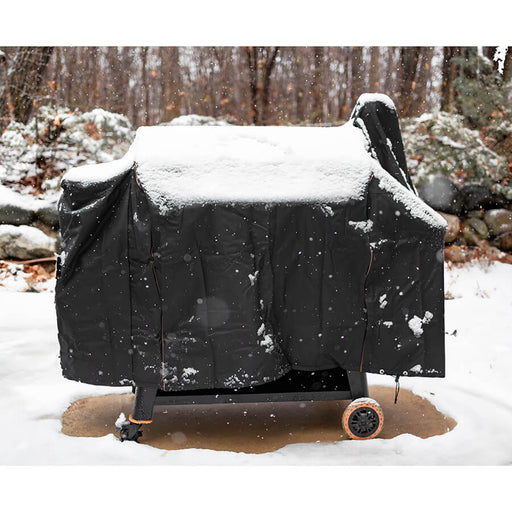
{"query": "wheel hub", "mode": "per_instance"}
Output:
(364, 422)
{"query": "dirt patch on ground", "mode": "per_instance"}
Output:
(253, 428)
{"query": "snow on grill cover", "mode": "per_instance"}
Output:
(226, 256)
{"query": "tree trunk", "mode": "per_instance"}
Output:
(409, 56)
(24, 77)
(449, 73)
(252, 62)
(375, 69)
(419, 99)
(145, 84)
(357, 82)
(298, 84)
(317, 80)
(268, 66)
(224, 57)
(170, 83)
(344, 87)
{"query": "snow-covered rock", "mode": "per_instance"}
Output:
(441, 144)
(15, 208)
(56, 140)
(25, 243)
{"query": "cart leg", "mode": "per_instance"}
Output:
(358, 384)
(142, 413)
(143, 405)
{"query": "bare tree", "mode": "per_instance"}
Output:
(374, 69)
(170, 83)
(260, 59)
(419, 97)
(409, 57)
(317, 85)
(357, 74)
(24, 75)
(145, 84)
(449, 72)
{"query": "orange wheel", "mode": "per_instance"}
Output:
(363, 419)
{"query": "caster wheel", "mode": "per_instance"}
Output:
(363, 419)
(130, 431)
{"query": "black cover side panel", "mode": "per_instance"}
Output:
(92, 293)
(404, 292)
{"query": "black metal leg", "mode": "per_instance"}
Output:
(143, 404)
(142, 413)
(358, 384)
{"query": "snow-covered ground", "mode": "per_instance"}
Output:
(476, 392)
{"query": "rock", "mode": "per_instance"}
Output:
(504, 241)
(479, 197)
(498, 221)
(440, 144)
(505, 191)
(475, 214)
(15, 208)
(441, 194)
(49, 215)
(25, 243)
(455, 254)
(454, 227)
(470, 237)
(478, 226)
(15, 215)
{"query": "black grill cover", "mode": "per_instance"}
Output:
(236, 293)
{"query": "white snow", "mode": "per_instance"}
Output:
(253, 277)
(184, 164)
(187, 374)
(499, 57)
(9, 197)
(99, 172)
(120, 420)
(368, 97)
(416, 323)
(179, 165)
(363, 225)
(412, 202)
(476, 392)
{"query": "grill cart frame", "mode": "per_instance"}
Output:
(295, 386)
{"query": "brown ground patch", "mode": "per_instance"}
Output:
(253, 428)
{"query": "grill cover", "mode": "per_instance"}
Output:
(213, 257)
